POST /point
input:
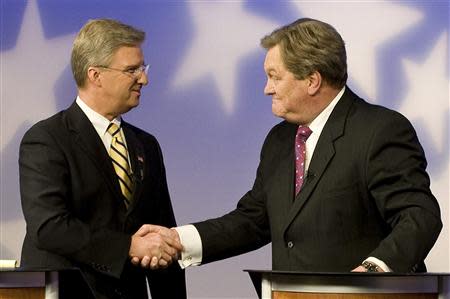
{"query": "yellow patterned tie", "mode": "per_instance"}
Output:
(119, 156)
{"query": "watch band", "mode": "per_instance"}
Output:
(370, 267)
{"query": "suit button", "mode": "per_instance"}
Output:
(290, 244)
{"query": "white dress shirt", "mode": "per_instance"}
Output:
(101, 124)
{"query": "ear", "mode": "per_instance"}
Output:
(314, 83)
(93, 76)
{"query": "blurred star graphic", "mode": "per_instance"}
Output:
(224, 34)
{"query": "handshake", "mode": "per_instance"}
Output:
(154, 247)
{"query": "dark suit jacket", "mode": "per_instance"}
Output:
(366, 194)
(75, 212)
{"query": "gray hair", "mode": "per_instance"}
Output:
(96, 43)
(309, 45)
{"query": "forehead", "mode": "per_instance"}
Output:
(128, 56)
(273, 59)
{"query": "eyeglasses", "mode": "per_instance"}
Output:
(134, 72)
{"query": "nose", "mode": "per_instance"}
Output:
(268, 89)
(143, 78)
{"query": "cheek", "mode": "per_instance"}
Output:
(294, 96)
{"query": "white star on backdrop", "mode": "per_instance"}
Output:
(423, 102)
(362, 29)
(34, 64)
(224, 34)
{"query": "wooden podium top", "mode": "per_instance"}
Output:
(268, 281)
(67, 282)
(343, 274)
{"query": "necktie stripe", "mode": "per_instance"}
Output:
(113, 129)
(120, 169)
(123, 171)
(121, 154)
(125, 184)
(123, 145)
(119, 158)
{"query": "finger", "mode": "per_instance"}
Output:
(175, 234)
(163, 264)
(145, 262)
(143, 230)
(135, 261)
(166, 257)
(359, 269)
(154, 263)
(167, 249)
(176, 257)
(175, 244)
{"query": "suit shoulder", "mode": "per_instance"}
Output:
(141, 134)
(377, 114)
(281, 127)
(281, 130)
(279, 134)
(48, 126)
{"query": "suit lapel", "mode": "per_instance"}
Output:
(323, 153)
(88, 140)
(137, 159)
(285, 170)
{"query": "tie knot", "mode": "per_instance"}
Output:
(113, 129)
(303, 132)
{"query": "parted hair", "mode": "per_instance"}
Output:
(309, 45)
(96, 43)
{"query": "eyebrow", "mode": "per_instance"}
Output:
(134, 66)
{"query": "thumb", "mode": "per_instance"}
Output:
(143, 230)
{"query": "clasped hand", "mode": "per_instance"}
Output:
(154, 246)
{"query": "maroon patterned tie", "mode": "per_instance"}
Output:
(303, 133)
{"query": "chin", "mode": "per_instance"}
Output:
(278, 112)
(134, 102)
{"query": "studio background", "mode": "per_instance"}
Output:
(205, 100)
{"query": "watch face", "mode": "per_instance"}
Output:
(370, 267)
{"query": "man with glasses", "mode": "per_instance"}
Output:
(89, 180)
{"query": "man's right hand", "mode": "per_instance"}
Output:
(154, 246)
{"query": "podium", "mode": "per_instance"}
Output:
(351, 285)
(27, 283)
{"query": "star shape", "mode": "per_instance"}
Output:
(427, 99)
(224, 34)
(362, 31)
(22, 67)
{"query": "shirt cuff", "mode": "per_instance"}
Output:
(379, 263)
(192, 246)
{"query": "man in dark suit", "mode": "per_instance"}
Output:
(89, 180)
(341, 183)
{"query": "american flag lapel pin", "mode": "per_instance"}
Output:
(141, 166)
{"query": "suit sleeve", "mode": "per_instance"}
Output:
(397, 180)
(45, 194)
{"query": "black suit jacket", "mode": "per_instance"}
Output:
(366, 194)
(74, 209)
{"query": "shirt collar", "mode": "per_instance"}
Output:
(319, 122)
(99, 122)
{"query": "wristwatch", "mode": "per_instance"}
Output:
(370, 267)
